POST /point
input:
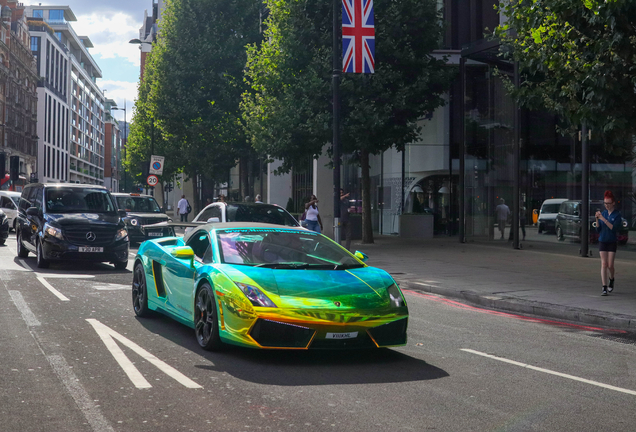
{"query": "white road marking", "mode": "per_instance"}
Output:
(107, 334)
(64, 276)
(111, 287)
(551, 372)
(425, 284)
(83, 401)
(53, 290)
(24, 309)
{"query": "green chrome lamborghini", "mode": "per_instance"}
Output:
(267, 286)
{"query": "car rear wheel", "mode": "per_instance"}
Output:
(22, 251)
(206, 323)
(559, 234)
(41, 261)
(139, 292)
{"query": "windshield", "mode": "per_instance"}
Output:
(259, 213)
(77, 200)
(550, 208)
(138, 204)
(282, 249)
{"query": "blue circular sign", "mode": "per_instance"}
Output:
(156, 165)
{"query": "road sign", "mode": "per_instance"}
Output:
(156, 165)
(152, 180)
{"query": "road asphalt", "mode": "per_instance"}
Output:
(543, 278)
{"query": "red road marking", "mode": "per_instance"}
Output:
(459, 305)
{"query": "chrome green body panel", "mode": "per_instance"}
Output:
(324, 301)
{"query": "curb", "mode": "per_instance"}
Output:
(511, 304)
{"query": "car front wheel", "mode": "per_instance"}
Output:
(139, 292)
(206, 323)
(22, 251)
(41, 261)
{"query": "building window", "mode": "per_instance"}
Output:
(38, 13)
(58, 35)
(35, 44)
(56, 15)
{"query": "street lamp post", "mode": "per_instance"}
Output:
(125, 138)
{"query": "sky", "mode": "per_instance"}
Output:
(110, 24)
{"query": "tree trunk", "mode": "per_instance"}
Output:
(244, 175)
(367, 225)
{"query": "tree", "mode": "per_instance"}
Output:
(288, 114)
(577, 58)
(193, 83)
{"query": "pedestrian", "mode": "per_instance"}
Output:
(608, 223)
(502, 212)
(258, 199)
(182, 208)
(312, 217)
(344, 217)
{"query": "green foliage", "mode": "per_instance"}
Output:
(578, 60)
(192, 87)
(289, 112)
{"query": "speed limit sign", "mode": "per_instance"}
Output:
(152, 180)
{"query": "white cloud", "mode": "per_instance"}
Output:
(110, 34)
(120, 91)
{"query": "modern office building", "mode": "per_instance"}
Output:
(112, 148)
(70, 105)
(18, 98)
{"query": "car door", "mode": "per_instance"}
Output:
(179, 274)
(28, 224)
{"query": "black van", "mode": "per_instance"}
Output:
(71, 222)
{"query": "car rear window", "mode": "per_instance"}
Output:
(259, 213)
(550, 208)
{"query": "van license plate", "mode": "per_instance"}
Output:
(155, 234)
(91, 249)
(350, 335)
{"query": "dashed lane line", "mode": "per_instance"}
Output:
(551, 372)
(23, 307)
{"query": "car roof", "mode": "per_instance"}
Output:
(237, 225)
(11, 193)
(554, 201)
(117, 194)
(68, 185)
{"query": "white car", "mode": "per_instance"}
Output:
(548, 214)
(9, 204)
(246, 212)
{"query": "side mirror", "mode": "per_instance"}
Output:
(182, 252)
(213, 220)
(32, 211)
(122, 213)
(361, 256)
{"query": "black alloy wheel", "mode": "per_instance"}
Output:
(206, 323)
(139, 292)
(559, 233)
(22, 251)
(41, 262)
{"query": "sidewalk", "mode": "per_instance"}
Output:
(544, 278)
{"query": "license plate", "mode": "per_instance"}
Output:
(91, 249)
(155, 234)
(350, 335)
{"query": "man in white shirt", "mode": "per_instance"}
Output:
(182, 208)
(503, 212)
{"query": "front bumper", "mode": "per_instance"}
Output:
(55, 249)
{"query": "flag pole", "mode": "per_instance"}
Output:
(335, 83)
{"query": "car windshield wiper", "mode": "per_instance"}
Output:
(284, 265)
(347, 266)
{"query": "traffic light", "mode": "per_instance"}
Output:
(3, 164)
(14, 167)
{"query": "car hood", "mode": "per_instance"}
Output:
(161, 216)
(362, 288)
(65, 219)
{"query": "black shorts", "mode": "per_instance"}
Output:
(607, 247)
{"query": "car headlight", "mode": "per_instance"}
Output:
(134, 222)
(625, 224)
(53, 232)
(121, 234)
(395, 296)
(255, 295)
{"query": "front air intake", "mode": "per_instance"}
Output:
(393, 333)
(273, 334)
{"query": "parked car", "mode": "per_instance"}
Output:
(268, 286)
(9, 204)
(140, 210)
(4, 227)
(246, 212)
(548, 214)
(71, 222)
(569, 220)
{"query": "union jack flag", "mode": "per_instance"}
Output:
(358, 36)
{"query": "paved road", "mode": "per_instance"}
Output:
(75, 358)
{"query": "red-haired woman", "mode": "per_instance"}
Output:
(608, 223)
